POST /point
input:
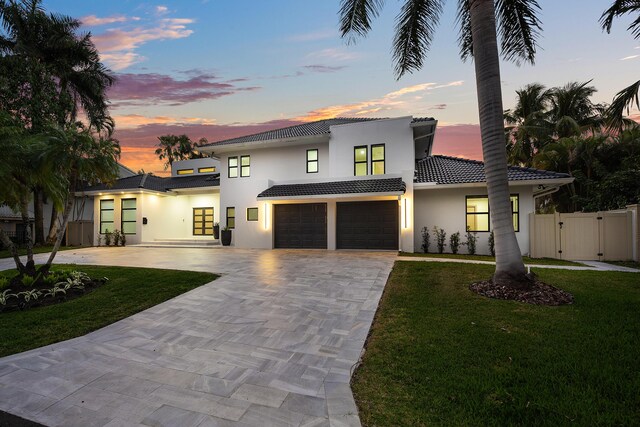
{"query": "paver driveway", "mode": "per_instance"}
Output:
(271, 342)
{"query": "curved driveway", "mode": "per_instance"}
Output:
(271, 342)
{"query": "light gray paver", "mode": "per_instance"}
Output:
(273, 341)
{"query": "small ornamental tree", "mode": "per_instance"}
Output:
(492, 244)
(441, 238)
(472, 239)
(454, 242)
(425, 239)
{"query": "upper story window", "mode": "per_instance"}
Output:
(185, 171)
(128, 216)
(233, 167)
(478, 213)
(360, 160)
(312, 161)
(245, 166)
(208, 169)
(106, 216)
(377, 159)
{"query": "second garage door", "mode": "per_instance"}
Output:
(367, 225)
(300, 226)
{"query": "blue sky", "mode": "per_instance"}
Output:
(217, 69)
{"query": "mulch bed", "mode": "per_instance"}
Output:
(14, 304)
(539, 293)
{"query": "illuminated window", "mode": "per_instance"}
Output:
(360, 160)
(128, 216)
(202, 221)
(106, 216)
(231, 217)
(478, 213)
(312, 161)
(252, 214)
(245, 166)
(185, 171)
(208, 169)
(233, 167)
(377, 159)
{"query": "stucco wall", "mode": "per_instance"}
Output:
(396, 134)
(168, 216)
(446, 208)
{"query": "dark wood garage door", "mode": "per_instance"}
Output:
(300, 226)
(367, 225)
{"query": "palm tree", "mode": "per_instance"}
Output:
(519, 28)
(81, 157)
(627, 97)
(572, 112)
(177, 147)
(528, 128)
(49, 50)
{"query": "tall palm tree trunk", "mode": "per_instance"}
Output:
(510, 269)
(38, 214)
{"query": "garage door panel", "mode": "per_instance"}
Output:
(367, 225)
(300, 226)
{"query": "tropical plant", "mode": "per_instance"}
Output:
(107, 237)
(425, 239)
(29, 295)
(441, 238)
(4, 282)
(629, 96)
(471, 243)
(518, 28)
(116, 237)
(51, 72)
(454, 242)
(5, 295)
(123, 239)
(177, 147)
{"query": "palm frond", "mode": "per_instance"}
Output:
(619, 8)
(415, 26)
(356, 16)
(519, 29)
(622, 102)
(465, 37)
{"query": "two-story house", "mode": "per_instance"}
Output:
(343, 183)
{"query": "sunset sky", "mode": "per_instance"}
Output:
(219, 69)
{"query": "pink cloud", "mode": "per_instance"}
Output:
(94, 21)
(152, 88)
(458, 140)
(117, 46)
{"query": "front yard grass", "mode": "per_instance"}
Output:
(526, 259)
(128, 291)
(439, 354)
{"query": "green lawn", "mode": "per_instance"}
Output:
(526, 259)
(128, 291)
(439, 354)
(4, 253)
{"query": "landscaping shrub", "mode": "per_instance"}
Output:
(472, 239)
(425, 239)
(441, 238)
(454, 242)
(107, 238)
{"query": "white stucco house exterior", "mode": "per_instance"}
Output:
(343, 183)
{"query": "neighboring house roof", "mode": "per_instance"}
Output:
(158, 183)
(320, 127)
(361, 186)
(7, 214)
(454, 170)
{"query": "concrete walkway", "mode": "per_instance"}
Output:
(589, 265)
(270, 343)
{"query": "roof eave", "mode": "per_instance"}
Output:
(226, 148)
(335, 196)
(513, 183)
(117, 191)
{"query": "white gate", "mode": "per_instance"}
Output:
(597, 236)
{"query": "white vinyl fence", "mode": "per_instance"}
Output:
(597, 236)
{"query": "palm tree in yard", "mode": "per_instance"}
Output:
(48, 49)
(480, 23)
(629, 96)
